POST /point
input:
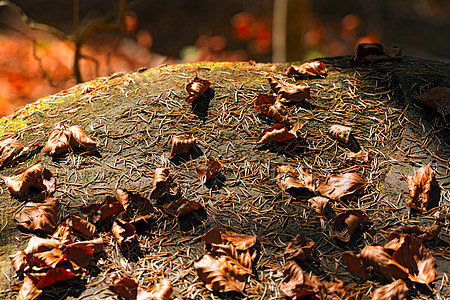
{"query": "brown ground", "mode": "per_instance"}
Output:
(135, 115)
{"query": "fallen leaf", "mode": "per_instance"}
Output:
(437, 98)
(309, 69)
(86, 228)
(124, 233)
(79, 253)
(19, 261)
(182, 144)
(163, 183)
(11, 151)
(288, 92)
(319, 204)
(355, 266)
(63, 234)
(299, 248)
(219, 274)
(278, 133)
(293, 181)
(296, 284)
(195, 88)
(338, 186)
(346, 224)
(124, 287)
(361, 157)
(98, 212)
(160, 291)
(340, 133)
(62, 137)
(35, 176)
(37, 244)
(53, 276)
(207, 171)
(28, 290)
(39, 216)
(268, 105)
(396, 290)
(240, 241)
(416, 258)
(419, 188)
(367, 53)
(182, 207)
(419, 232)
(78, 138)
(243, 258)
(96, 244)
(127, 198)
(336, 290)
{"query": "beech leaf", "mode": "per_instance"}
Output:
(39, 216)
(367, 53)
(207, 171)
(124, 233)
(160, 291)
(54, 276)
(319, 204)
(86, 228)
(309, 69)
(338, 186)
(340, 133)
(127, 198)
(243, 258)
(419, 232)
(347, 223)
(28, 290)
(163, 183)
(19, 261)
(437, 98)
(62, 137)
(269, 106)
(182, 207)
(396, 290)
(195, 88)
(336, 290)
(278, 133)
(288, 92)
(35, 176)
(419, 188)
(240, 241)
(293, 181)
(296, 284)
(361, 157)
(11, 151)
(182, 144)
(101, 211)
(78, 138)
(37, 244)
(299, 248)
(124, 287)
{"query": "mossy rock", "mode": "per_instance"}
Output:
(134, 116)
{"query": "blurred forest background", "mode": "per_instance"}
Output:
(66, 42)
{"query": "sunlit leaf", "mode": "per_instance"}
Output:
(360, 157)
(309, 69)
(163, 183)
(62, 137)
(240, 241)
(268, 105)
(396, 290)
(336, 290)
(54, 276)
(182, 207)
(296, 284)
(347, 223)
(419, 232)
(319, 204)
(39, 216)
(182, 144)
(35, 176)
(288, 92)
(19, 261)
(340, 133)
(419, 188)
(195, 88)
(79, 138)
(28, 290)
(338, 186)
(374, 52)
(11, 151)
(277, 133)
(124, 287)
(86, 228)
(124, 233)
(293, 181)
(206, 172)
(299, 248)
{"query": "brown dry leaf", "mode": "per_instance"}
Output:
(12, 151)
(37, 244)
(182, 207)
(299, 248)
(86, 228)
(288, 92)
(78, 138)
(124, 233)
(220, 275)
(28, 290)
(338, 186)
(46, 259)
(396, 290)
(79, 253)
(419, 188)
(124, 287)
(35, 176)
(319, 204)
(163, 183)
(160, 291)
(347, 223)
(207, 171)
(367, 53)
(296, 284)
(39, 216)
(294, 182)
(96, 244)
(58, 140)
(20, 263)
(340, 133)
(416, 258)
(438, 98)
(277, 133)
(182, 144)
(336, 290)
(240, 241)
(268, 105)
(52, 276)
(98, 212)
(63, 233)
(309, 69)
(355, 266)
(419, 232)
(195, 88)
(244, 258)
(127, 198)
(360, 157)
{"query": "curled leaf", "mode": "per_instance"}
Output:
(53, 276)
(309, 69)
(340, 133)
(299, 248)
(78, 138)
(319, 204)
(293, 181)
(419, 232)
(28, 290)
(242, 258)
(96, 244)
(62, 137)
(347, 223)
(220, 274)
(19, 262)
(296, 284)
(361, 157)
(182, 144)
(124, 233)
(163, 183)
(437, 98)
(277, 133)
(100, 211)
(35, 176)
(338, 186)
(396, 290)
(239, 240)
(288, 92)
(86, 228)
(195, 88)
(39, 216)
(419, 188)
(12, 151)
(367, 53)
(355, 266)
(182, 207)
(127, 198)
(124, 287)
(205, 173)
(336, 290)
(268, 105)
(160, 291)
(37, 244)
